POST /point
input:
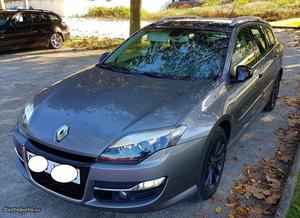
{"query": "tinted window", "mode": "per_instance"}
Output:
(245, 50)
(4, 18)
(54, 18)
(173, 53)
(22, 20)
(40, 18)
(260, 40)
(270, 35)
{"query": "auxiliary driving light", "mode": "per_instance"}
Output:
(149, 184)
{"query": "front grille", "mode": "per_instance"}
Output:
(70, 189)
(63, 154)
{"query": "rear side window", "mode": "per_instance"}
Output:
(40, 18)
(260, 40)
(271, 37)
(245, 50)
(22, 19)
(54, 18)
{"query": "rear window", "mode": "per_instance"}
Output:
(39, 18)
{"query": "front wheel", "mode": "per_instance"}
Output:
(212, 167)
(56, 41)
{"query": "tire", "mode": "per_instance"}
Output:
(56, 41)
(274, 96)
(210, 170)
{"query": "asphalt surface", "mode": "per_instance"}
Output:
(24, 73)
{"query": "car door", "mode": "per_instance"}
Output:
(19, 34)
(269, 59)
(247, 94)
(42, 24)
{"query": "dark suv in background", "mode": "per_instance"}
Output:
(31, 28)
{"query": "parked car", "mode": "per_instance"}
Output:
(149, 124)
(31, 28)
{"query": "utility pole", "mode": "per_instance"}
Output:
(2, 5)
(26, 4)
(135, 15)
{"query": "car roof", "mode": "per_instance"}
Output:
(13, 11)
(203, 23)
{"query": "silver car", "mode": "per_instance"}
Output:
(149, 124)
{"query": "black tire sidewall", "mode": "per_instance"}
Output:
(202, 192)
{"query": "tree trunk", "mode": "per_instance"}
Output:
(2, 5)
(26, 4)
(135, 15)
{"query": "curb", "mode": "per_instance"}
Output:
(289, 188)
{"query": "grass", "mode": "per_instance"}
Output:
(93, 43)
(269, 10)
(289, 23)
(294, 211)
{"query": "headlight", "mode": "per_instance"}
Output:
(28, 111)
(138, 146)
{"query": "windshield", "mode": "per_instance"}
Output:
(4, 18)
(172, 53)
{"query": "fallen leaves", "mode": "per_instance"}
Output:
(259, 192)
(218, 210)
(273, 199)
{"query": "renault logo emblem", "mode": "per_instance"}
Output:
(62, 132)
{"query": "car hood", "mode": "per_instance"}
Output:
(101, 105)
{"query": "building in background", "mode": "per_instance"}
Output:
(69, 8)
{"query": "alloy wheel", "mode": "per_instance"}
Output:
(215, 164)
(56, 40)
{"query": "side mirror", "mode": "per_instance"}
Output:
(242, 73)
(103, 57)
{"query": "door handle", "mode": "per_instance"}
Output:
(260, 75)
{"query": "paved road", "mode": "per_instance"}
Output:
(24, 73)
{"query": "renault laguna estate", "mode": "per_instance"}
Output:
(149, 124)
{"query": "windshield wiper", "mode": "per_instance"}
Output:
(117, 69)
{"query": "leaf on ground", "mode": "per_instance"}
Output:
(273, 199)
(218, 210)
(230, 205)
(231, 215)
(273, 182)
(256, 192)
(288, 159)
(281, 132)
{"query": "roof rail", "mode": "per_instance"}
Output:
(243, 19)
(175, 17)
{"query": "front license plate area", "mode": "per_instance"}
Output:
(51, 165)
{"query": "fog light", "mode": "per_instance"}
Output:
(123, 195)
(149, 184)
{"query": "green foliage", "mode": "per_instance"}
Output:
(241, 2)
(268, 10)
(291, 23)
(294, 210)
(284, 2)
(119, 12)
(93, 43)
(212, 3)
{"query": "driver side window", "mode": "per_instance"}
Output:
(244, 50)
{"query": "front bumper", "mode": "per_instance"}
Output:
(179, 164)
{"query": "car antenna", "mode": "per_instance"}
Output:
(231, 12)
